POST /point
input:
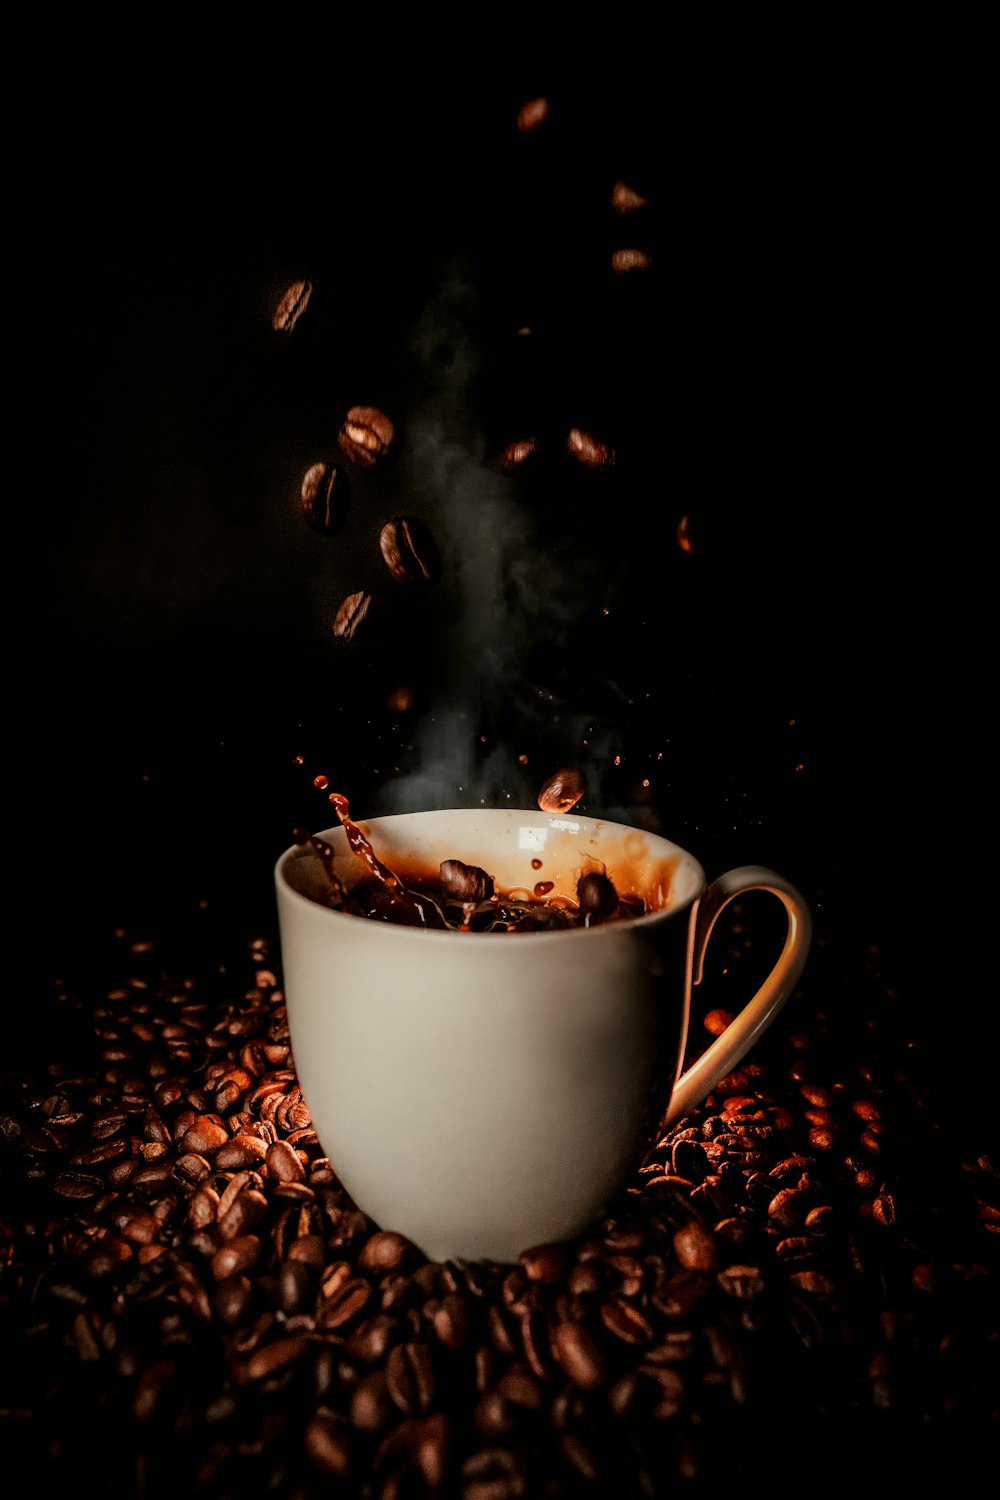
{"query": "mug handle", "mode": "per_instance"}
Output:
(727, 1050)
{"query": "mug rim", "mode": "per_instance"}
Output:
(583, 822)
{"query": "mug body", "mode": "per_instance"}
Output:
(485, 1092)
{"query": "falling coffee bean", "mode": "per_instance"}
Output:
(292, 305)
(366, 436)
(623, 261)
(410, 551)
(326, 490)
(589, 450)
(516, 453)
(531, 114)
(351, 613)
(465, 882)
(563, 790)
(624, 199)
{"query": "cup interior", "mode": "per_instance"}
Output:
(521, 848)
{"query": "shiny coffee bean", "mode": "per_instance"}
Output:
(292, 305)
(516, 453)
(366, 436)
(597, 896)
(351, 614)
(589, 450)
(464, 882)
(326, 491)
(563, 790)
(410, 551)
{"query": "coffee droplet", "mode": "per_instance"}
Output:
(351, 613)
(410, 551)
(292, 305)
(366, 436)
(326, 490)
(563, 790)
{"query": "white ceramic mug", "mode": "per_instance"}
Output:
(482, 1093)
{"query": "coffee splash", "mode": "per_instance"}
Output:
(460, 897)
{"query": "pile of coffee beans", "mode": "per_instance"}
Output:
(797, 1285)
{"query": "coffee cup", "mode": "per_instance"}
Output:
(485, 1092)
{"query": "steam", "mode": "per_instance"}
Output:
(511, 594)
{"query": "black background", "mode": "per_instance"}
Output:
(785, 689)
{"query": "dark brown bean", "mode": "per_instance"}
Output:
(291, 306)
(351, 614)
(562, 790)
(366, 436)
(325, 496)
(589, 450)
(410, 551)
(465, 882)
(328, 1443)
(409, 1375)
(578, 1355)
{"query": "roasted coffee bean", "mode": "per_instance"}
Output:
(371, 1407)
(517, 453)
(578, 1355)
(205, 1135)
(467, 883)
(626, 1322)
(366, 436)
(409, 1375)
(385, 1251)
(494, 1473)
(238, 1255)
(328, 1443)
(451, 1321)
(597, 896)
(589, 450)
(351, 614)
(562, 790)
(532, 113)
(283, 1163)
(410, 551)
(345, 1304)
(232, 1298)
(695, 1247)
(625, 200)
(630, 259)
(743, 1282)
(325, 496)
(545, 1263)
(271, 1358)
(292, 305)
(370, 1341)
(243, 1150)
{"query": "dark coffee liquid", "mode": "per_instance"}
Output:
(462, 898)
